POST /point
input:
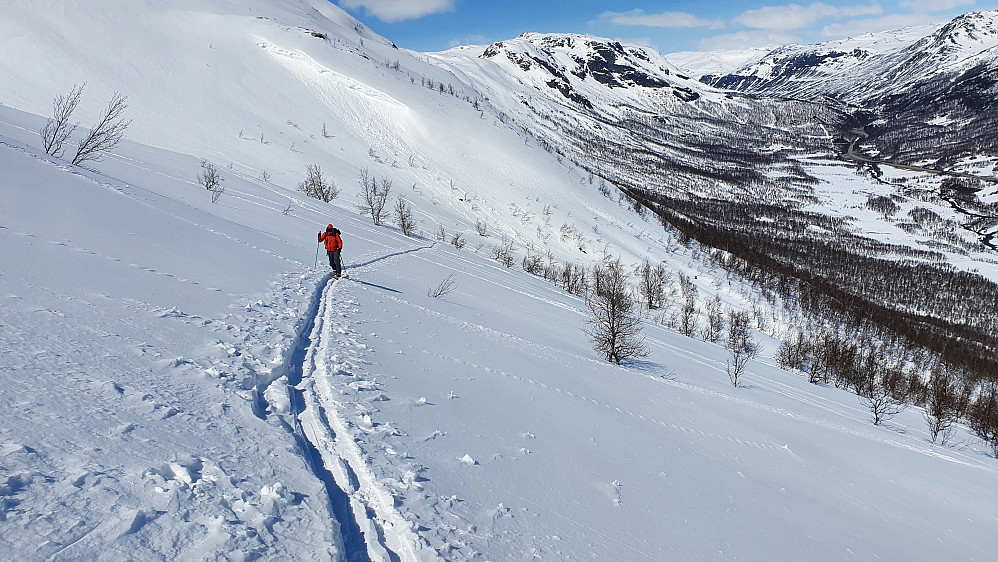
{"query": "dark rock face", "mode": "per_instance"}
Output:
(609, 63)
(605, 68)
(685, 94)
(493, 50)
(566, 90)
(785, 69)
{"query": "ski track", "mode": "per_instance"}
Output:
(388, 536)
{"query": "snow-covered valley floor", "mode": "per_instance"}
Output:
(155, 349)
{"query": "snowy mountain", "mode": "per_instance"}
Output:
(860, 69)
(176, 382)
(914, 81)
(801, 69)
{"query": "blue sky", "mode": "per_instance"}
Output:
(678, 25)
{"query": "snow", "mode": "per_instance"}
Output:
(724, 61)
(178, 380)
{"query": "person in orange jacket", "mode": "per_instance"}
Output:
(333, 246)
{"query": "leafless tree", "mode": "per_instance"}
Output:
(715, 320)
(740, 344)
(445, 286)
(374, 196)
(688, 316)
(983, 415)
(614, 329)
(403, 216)
(941, 402)
(651, 283)
(58, 129)
(458, 240)
(877, 397)
(107, 134)
(481, 227)
(317, 185)
(793, 352)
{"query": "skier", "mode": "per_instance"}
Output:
(333, 246)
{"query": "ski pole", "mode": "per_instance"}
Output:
(317, 254)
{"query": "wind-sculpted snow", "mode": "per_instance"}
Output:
(324, 81)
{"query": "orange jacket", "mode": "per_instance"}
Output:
(333, 240)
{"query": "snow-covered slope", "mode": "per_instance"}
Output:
(178, 381)
(254, 85)
(153, 343)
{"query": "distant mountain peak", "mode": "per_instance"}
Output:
(971, 32)
(567, 62)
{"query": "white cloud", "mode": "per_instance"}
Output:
(745, 40)
(933, 5)
(855, 11)
(399, 10)
(874, 25)
(665, 19)
(785, 18)
(795, 16)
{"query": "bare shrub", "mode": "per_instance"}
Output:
(211, 180)
(503, 253)
(107, 134)
(209, 177)
(533, 263)
(445, 286)
(317, 186)
(482, 228)
(58, 129)
(458, 240)
(374, 196)
(403, 216)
